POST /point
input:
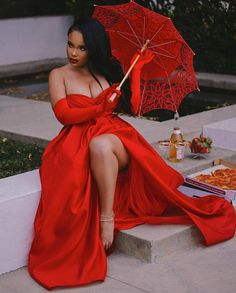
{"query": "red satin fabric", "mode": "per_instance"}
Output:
(66, 249)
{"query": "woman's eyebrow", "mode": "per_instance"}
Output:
(81, 45)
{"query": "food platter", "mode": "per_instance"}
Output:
(222, 177)
(219, 179)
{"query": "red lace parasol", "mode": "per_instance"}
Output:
(170, 76)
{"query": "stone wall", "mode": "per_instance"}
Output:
(29, 39)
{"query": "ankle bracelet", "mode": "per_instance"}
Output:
(105, 218)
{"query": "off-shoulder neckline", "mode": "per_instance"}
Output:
(77, 94)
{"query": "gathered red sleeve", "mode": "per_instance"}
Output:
(67, 115)
(144, 58)
(135, 90)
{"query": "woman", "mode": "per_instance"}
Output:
(99, 166)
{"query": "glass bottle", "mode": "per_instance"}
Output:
(176, 152)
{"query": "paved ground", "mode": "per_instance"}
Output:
(195, 270)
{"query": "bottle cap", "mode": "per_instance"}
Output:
(176, 131)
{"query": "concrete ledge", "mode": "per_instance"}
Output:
(24, 138)
(19, 198)
(30, 67)
(189, 165)
(223, 133)
(43, 124)
(215, 80)
(33, 119)
(210, 80)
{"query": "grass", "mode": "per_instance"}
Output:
(18, 157)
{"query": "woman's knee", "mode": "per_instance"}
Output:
(100, 146)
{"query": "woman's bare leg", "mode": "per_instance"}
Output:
(107, 157)
(105, 171)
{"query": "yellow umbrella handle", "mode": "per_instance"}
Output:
(144, 47)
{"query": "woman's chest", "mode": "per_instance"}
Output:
(85, 86)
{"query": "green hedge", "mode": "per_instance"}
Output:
(208, 26)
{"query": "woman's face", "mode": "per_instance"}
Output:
(77, 53)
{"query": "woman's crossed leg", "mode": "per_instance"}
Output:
(107, 157)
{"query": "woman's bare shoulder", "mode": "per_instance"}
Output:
(58, 72)
(56, 86)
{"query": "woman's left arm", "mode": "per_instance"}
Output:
(144, 58)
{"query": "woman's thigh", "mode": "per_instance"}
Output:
(110, 142)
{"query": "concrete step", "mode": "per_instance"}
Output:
(151, 243)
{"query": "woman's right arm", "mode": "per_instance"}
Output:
(61, 109)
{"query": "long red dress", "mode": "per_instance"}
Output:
(66, 249)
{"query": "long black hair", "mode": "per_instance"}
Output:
(100, 59)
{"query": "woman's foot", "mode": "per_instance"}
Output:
(107, 229)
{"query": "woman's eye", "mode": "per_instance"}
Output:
(82, 48)
(69, 45)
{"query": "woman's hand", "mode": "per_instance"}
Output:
(144, 58)
(108, 106)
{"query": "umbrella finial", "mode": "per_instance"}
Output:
(144, 47)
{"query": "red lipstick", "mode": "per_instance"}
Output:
(73, 61)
